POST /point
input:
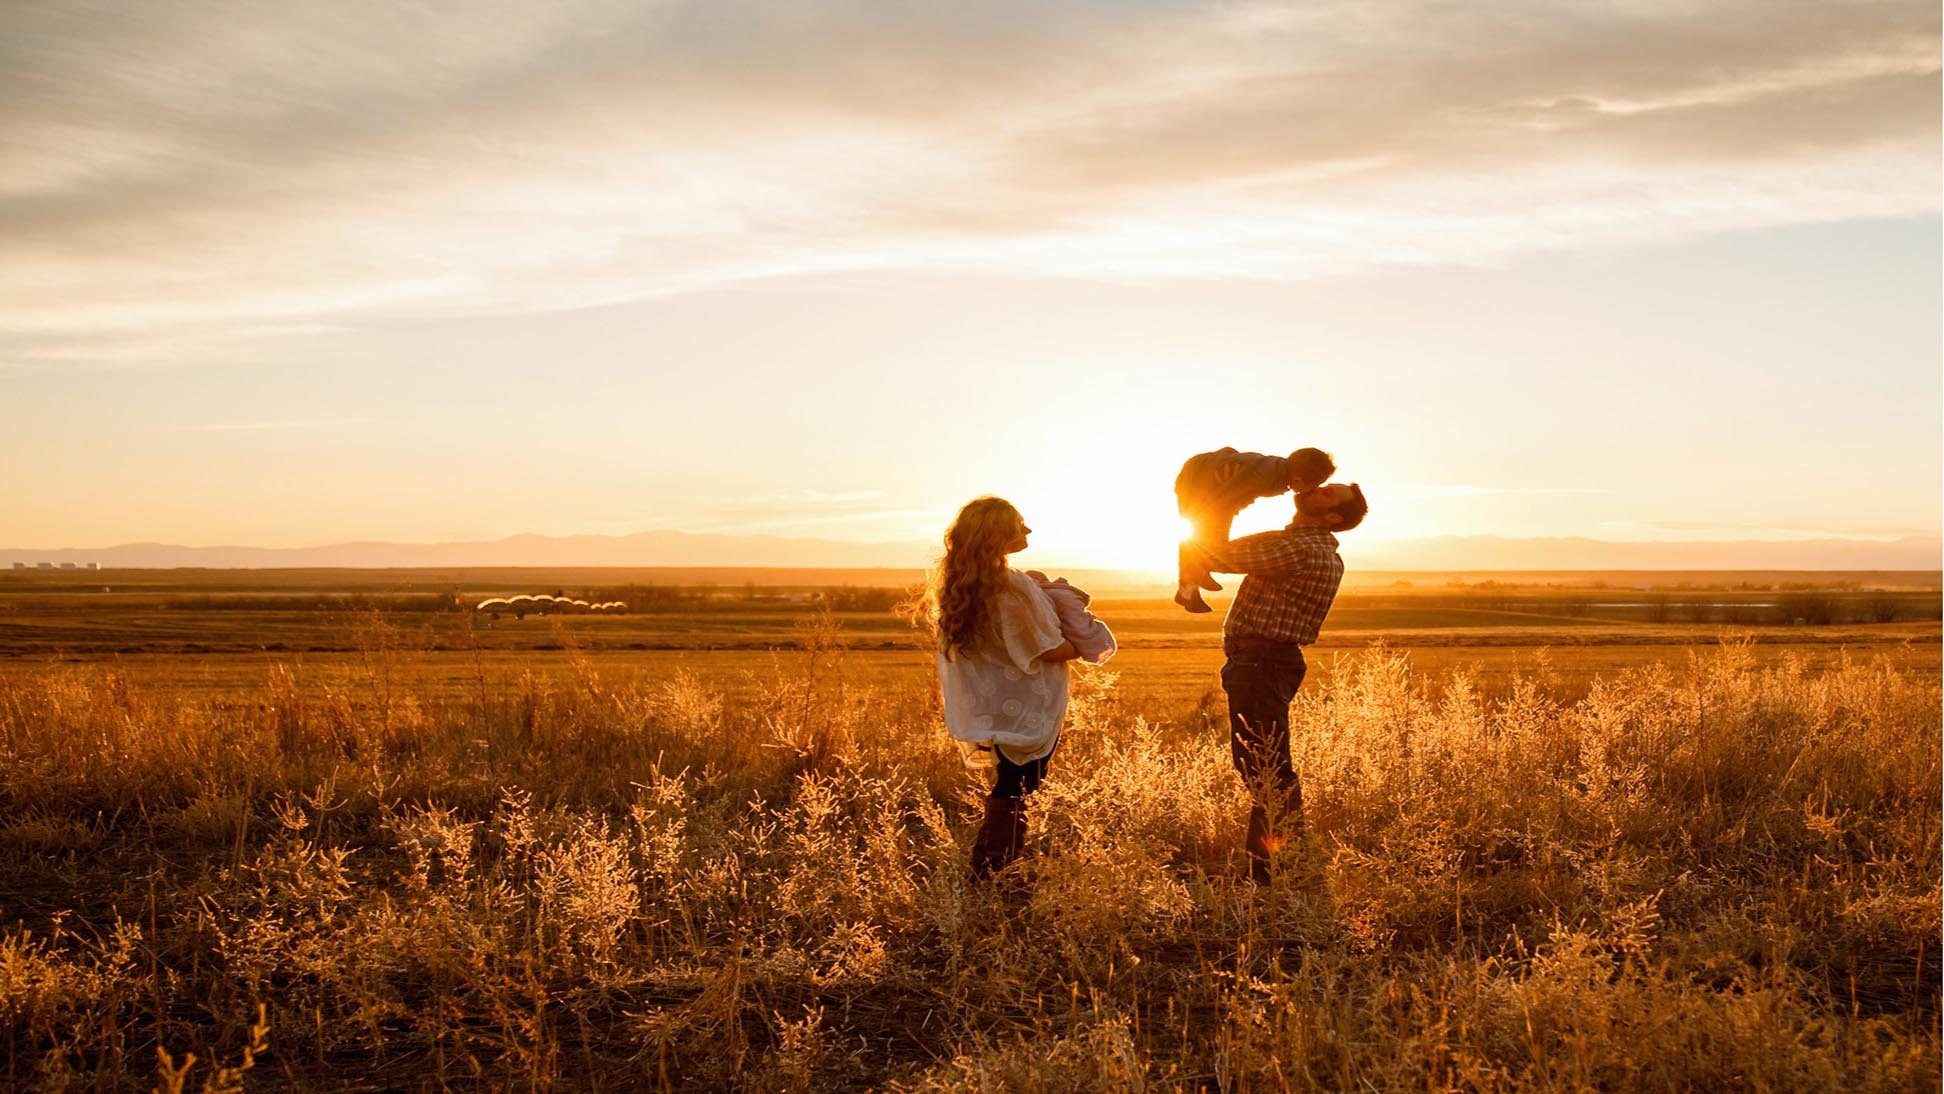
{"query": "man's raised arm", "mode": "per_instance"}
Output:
(1264, 553)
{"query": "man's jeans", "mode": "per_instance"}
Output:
(1260, 680)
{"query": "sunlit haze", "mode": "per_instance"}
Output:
(1631, 271)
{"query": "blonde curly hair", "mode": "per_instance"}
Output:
(964, 584)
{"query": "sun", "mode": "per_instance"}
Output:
(1108, 525)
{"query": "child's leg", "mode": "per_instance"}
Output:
(1191, 577)
(1193, 486)
(1214, 529)
(1189, 572)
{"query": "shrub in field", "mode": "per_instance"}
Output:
(1720, 875)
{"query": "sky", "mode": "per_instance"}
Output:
(288, 275)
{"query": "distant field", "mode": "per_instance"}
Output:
(238, 611)
(1560, 838)
(215, 632)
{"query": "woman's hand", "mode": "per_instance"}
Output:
(1062, 652)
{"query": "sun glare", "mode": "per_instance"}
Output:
(1125, 524)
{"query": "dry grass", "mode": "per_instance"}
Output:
(1721, 875)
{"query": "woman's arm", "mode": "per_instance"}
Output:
(1065, 651)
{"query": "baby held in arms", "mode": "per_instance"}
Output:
(1077, 624)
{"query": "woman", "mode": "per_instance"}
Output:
(1001, 667)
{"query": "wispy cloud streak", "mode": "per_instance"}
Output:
(894, 520)
(1468, 490)
(264, 426)
(1780, 530)
(853, 514)
(205, 162)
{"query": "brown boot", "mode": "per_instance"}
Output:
(1001, 835)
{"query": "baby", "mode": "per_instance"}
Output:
(1079, 626)
(1214, 486)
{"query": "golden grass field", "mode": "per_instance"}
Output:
(352, 846)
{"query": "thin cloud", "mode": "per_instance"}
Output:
(1467, 490)
(900, 517)
(808, 500)
(253, 427)
(1769, 530)
(215, 162)
(1766, 531)
(786, 511)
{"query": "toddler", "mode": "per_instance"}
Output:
(1214, 486)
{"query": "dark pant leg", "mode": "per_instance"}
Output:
(1260, 685)
(1015, 781)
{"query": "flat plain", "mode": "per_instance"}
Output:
(338, 830)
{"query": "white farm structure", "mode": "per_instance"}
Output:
(543, 604)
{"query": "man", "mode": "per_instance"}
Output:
(1290, 579)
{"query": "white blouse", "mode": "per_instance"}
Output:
(999, 694)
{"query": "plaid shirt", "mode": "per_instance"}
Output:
(1291, 580)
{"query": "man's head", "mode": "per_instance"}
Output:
(1335, 508)
(1310, 468)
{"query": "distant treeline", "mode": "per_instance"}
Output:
(317, 602)
(1744, 606)
(643, 599)
(678, 598)
(1816, 607)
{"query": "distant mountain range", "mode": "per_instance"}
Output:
(686, 549)
(666, 548)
